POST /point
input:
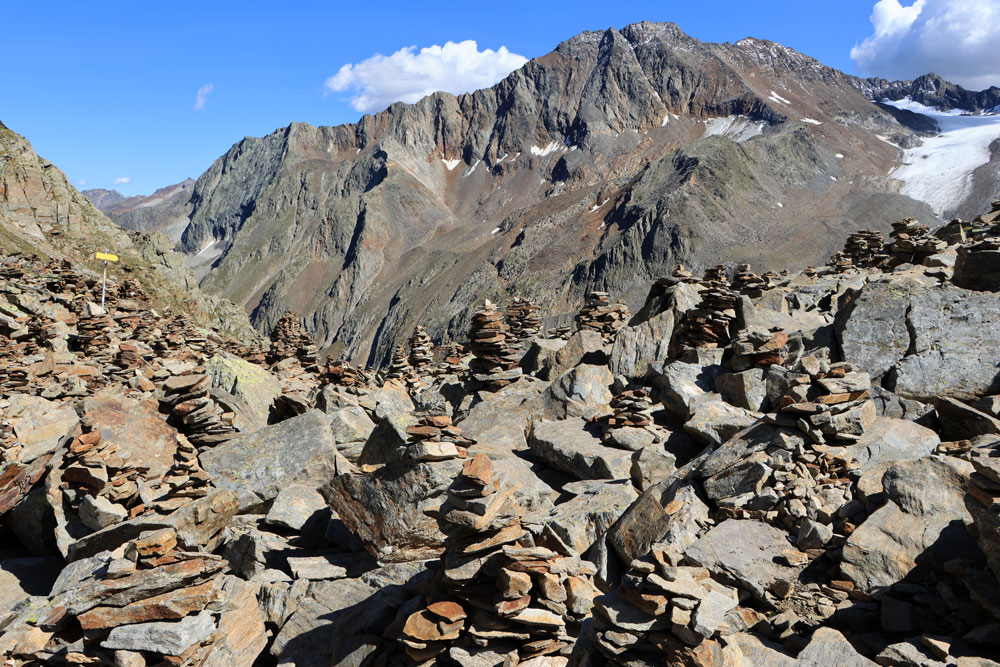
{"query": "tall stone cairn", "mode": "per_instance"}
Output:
(399, 367)
(600, 315)
(710, 323)
(289, 339)
(749, 283)
(494, 584)
(863, 249)
(912, 242)
(523, 320)
(496, 360)
(421, 355)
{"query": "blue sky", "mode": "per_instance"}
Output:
(108, 91)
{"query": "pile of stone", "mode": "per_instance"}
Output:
(753, 348)
(421, 350)
(912, 242)
(523, 320)
(681, 274)
(298, 385)
(631, 408)
(451, 360)
(749, 283)
(496, 361)
(289, 339)
(600, 315)
(342, 374)
(559, 333)
(660, 610)
(497, 591)
(710, 323)
(194, 411)
(863, 249)
(399, 366)
(827, 402)
(435, 438)
(717, 273)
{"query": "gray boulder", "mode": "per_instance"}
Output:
(569, 446)
(680, 384)
(582, 391)
(636, 348)
(891, 440)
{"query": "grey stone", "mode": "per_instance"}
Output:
(888, 404)
(259, 464)
(746, 389)
(391, 399)
(98, 512)
(890, 440)
(669, 513)
(713, 421)
(569, 446)
(582, 391)
(926, 511)
(681, 383)
(828, 647)
(963, 422)
(813, 535)
(977, 269)
(582, 520)
(637, 347)
(350, 424)
(747, 551)
(711, 611)
(246, 381)
(651, 465)
(585, 346)
(539, 351)
(296, 505)
(39, 425)
(163, 637)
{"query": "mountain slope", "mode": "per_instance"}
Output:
(599, 165)
(166, 211)
(41, 213)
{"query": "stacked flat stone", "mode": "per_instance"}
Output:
(600, 315)
(495, 586)
(716, 274)
(297, 385)
(289, 339)
(399, 367)
(681, 274)
(661, 610)
(194, 412)
(342, 374)
(747, 282)
(496, 361)
(828, 402)
(421, 355)
(435, 438)
(523, 320)
(630, 408)
(912, 242)
(709, 324)
(759, 348)
(559, 333)
(451, 360)
(863, 249)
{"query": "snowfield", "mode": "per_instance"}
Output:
(737, 128)
(939, 172)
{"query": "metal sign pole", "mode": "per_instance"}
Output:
(104, 284)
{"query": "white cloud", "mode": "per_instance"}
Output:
(408, 75)
(202, 96)
(123, 180)
(82, 182)
(955, 39)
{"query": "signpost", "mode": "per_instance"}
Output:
(104, 285)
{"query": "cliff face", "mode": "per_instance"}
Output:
(599, 165)
(167, 211)
(41, 213)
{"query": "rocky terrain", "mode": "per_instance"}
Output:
(596, 167)
(752, 469)
(42, 214)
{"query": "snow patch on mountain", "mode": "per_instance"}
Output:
(542, 151)
(939, 171)
(737, 128)
(775, 97)
(450, 164)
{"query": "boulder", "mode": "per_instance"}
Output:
(748, 552)
(636, 348)
(963, 422)
(502, 418)
(925, 517)
(570, 446)
(350, 424)
(713, 421)
(977, 269)
(681, 383)
(670, 513)
(651, 465)
(828, 647)
(585, 518)
(136, 427)
(746, 389)
(585, 346)
(165, 637)
(891, 440)
(929, 341)
(246, 381)
(257, 465)
(39, 425)
(582, 391)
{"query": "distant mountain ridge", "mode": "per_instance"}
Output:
(597, 166)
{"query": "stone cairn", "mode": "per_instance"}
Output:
(913, 242)
(451, 360)
(663, 609)
(560, 333)
(496, 587)
(421, 355)
(195, 412)
(523, 320)
(759, 348)
(680, 274)
(435, 438)
(342, 374)
(827, 402)
(749, 283)
(863, 249)
(289, 339)
(628, 424)
(600, 315)
(496, 361)
(709, 324)
(399, 366)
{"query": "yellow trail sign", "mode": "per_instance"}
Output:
(106, 257)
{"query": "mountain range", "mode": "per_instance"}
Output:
(598, 166)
